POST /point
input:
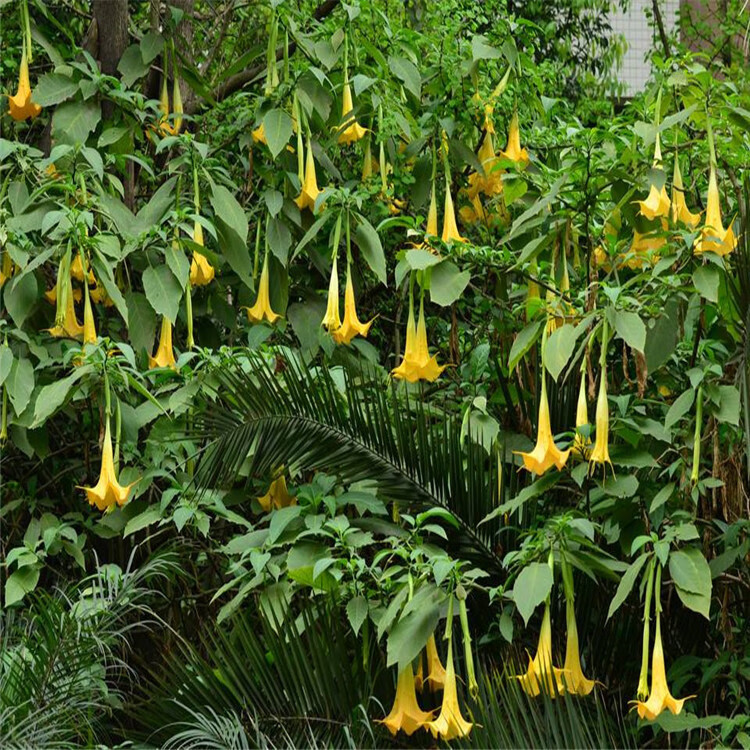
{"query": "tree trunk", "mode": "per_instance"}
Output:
(111, 18)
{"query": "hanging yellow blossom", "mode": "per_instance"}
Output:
(417, 363)
(436, 674)
(277, 496)
(450, 724)
(259, 134)
(713, 237)
(545, 454)
(7, 268)
(659, 697)
(642, 249)
(575, 682)
(450, 228)
(600, 451)
(108, 492)
(76, 270)
(66, 323)
(332, 319)
(657, 203)
(351, 325)
(489, 181)
(99, 296)
(20, 105)
(201, 271)
(89, 326)
(681, 214)
(164, 356)
(406, 715)
(541, 674)
(432, 214)
(352, 131)
(262, 307)
(513, 151)
(310, 191)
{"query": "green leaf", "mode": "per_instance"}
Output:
(73, 122)
(20, 384)
(132, 65)
(234, 250)
(20, 583)
(356, 611)
(420, 259)
(729, 405)
(409, 635)
(706, 281)
(163, 291)
(141, 321)
(699, 603)
(626, 583)
(408, 73)
(524, 341)
(369, 243)
(481, 49)
(629, 327)
(447, 283)
(662, 496)
(279, 239)
(559, 349)
(227, 209)
(20, 297)
(103, 270)
(531, 588)
(679, 408)
(278, 128)
(142, 520)
(690, 571)
(6, 362)
(280, 519)
(53, 88)
(52, 396)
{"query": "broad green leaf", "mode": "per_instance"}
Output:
(626, 583)
(163, 291)
(662, 496)
(706, 281)
(481, 49)
(690, 571)
(52, 396)
(6, 362)
(53, 88)
(524, 341)
(20, 384)
(279, 239)
(103, 271)
(20, 297)
(142, 520)
(132, 65)
(531, 588)
(73, 122)
(559, 349)
(356, 611)
(679, 408)
(630, 328)
(409, 635)
(729, 405)
(20, 583)
(408, 73)
(700, 603)
(278, 128)
(447, 283)
(227, 209)
(141, 321)
(420, 259)
(235, 252)
(369, 243)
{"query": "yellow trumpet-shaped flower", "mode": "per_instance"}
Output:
(165, 127)
(490, 182)
(680, 212)
(450, 228)
(76, 270)
(406, 715)
(262, 307)
(513, 151)
(351, 326)
(6, 268)
(575, 682)
(177, 103)
(310, 191)
(657, 203)
(66, 324)
(417, 363)
(450, 724)
(436, 673)
(600, 451)
(642, 247)
(660, 697)
(581, 442)
(352, 131)
(369, 163)
(108, 492)
(259, 134)
(201, 271)
(713, 237)
(164, 356)
(277, 496)
(20, 105)
(541, 674)
(99, 296)
(545, 454)
(332, 319)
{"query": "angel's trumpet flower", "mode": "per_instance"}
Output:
(164, 356)
(310, 190)
(713, 237)
(351, 326)
(352, 130)
(277, 496)
(541, 674)
(450, 724)
(680, 212)
(262, 307)
(513, 151)
(20, 105)
(406, 715)
(201, 271)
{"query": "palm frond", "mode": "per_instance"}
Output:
(350, 423)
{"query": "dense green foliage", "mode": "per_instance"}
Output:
(230, 500)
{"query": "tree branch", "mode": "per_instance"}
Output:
(237, 81)
(660, 26)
